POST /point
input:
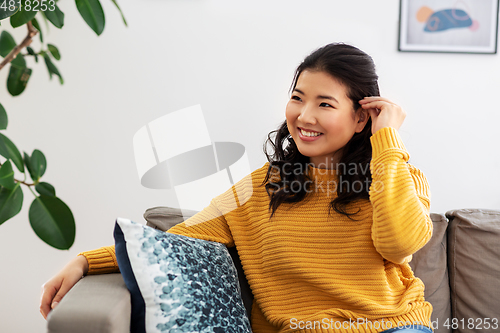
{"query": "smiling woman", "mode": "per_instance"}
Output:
(320, 124)
(329, 224)
(327, 90)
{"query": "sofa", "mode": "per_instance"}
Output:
(460, 267)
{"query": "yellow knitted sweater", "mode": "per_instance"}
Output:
(314, 272)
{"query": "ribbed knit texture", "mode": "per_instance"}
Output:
(311, 271)
(102, 260)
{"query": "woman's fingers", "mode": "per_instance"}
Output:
(67, 284)
(369, 99)
(55, 289)
(373, 113)
(384, 113)
(49, 290)
(368, 102)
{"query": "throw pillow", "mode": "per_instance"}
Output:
(178, 283)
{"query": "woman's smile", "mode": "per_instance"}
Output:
(308, 135)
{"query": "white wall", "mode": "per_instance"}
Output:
(236, 59)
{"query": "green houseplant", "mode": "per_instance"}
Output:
(50, 218)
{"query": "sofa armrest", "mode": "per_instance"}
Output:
(96, 304)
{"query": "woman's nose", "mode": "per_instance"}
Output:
(307, 115)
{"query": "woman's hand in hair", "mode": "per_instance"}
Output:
(383, 112)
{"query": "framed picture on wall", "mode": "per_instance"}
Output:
(465, 26)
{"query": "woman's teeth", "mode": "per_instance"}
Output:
(304, 133)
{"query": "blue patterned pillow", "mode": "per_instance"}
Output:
(178, 283)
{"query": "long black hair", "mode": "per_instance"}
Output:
(356, 71)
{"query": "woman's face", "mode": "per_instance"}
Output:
(321, 118)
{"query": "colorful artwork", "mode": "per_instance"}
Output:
(445, 19)
(468, 26)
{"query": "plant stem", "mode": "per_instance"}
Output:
(24, 183)
(27, 41)
(32, 192)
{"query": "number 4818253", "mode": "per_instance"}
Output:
(29, 5)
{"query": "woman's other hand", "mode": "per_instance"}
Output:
(383, 112)
(55, 289)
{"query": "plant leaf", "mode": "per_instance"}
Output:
(121, 13)
(10, 152)
(23, 16)
(19, 61)
(4, 120)
(17, 79)
(7, 176)
(7, 43)
(91, 11)
(52, 68)
(54, 51)
(27, 163)
(56, 16)
(38, 164)
(7, 12)
(52, 221)
(11, 202)
(45, 189)
(35, 164)
(37, 26)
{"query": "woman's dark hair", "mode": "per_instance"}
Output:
(356, 71)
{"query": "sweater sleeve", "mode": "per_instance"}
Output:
(400, 198)
(209, 224)
(102, 260)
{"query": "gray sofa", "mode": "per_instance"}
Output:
(460, 267)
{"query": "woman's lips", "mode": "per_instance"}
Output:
(308, 138)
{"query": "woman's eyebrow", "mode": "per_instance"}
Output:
(328, 97)
(320, 96)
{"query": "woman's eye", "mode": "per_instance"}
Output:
(296, 98)
(326, 105)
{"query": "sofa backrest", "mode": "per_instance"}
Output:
(474, 266)
(460, 267)
(430, 264)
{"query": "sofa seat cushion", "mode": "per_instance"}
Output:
(178, 283)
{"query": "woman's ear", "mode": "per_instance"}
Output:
(362, 117)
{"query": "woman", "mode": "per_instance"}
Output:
(326, 228)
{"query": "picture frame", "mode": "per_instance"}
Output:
(456, 26)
